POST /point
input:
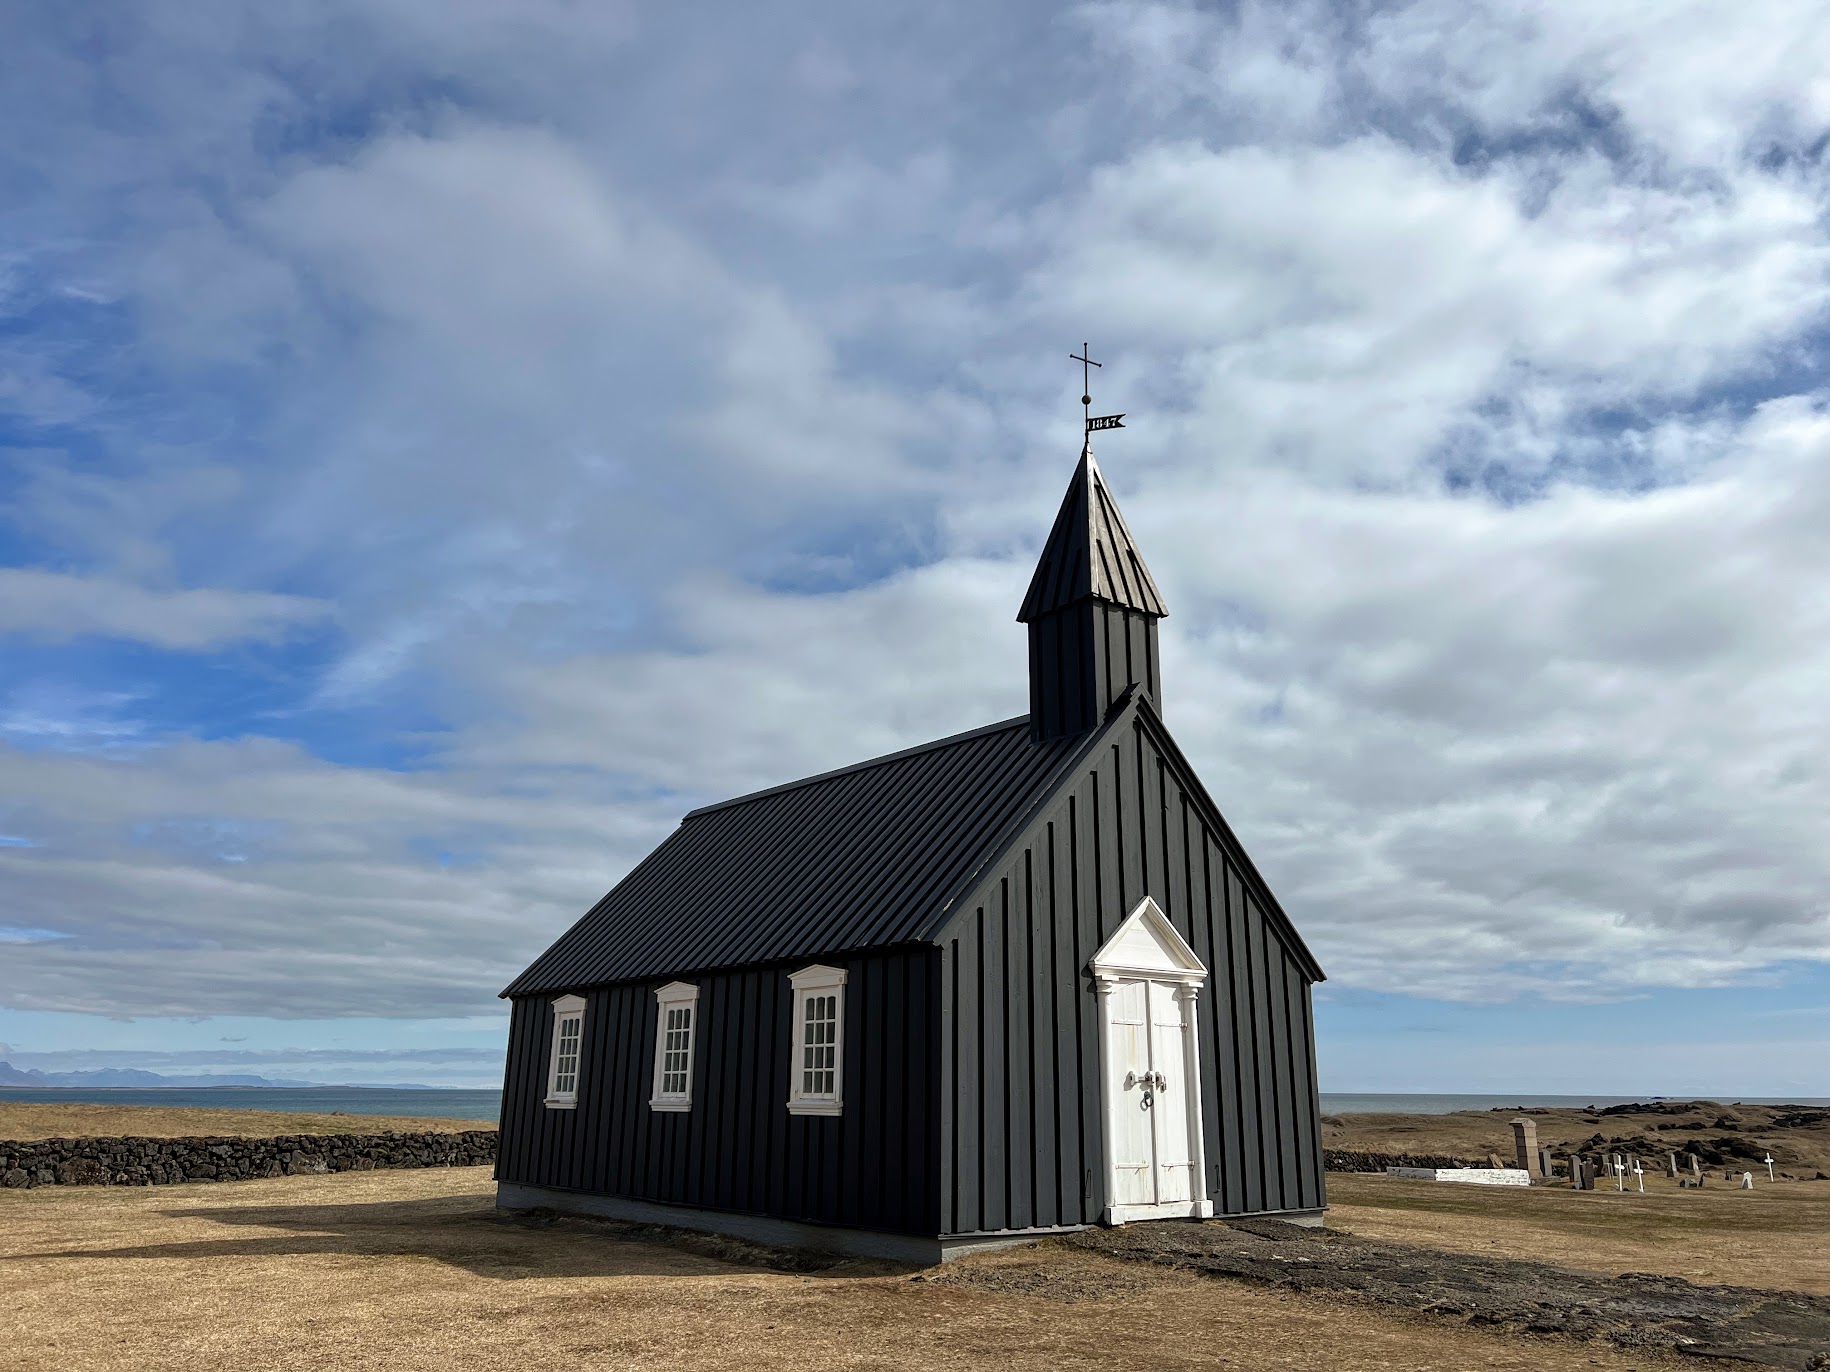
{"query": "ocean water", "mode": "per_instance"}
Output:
(1350, 1103)
(487, 1105)
(313, 1100)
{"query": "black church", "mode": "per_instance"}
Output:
(1013, 982)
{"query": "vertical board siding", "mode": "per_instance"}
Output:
(738, 1148)
(1024, 1142)
(1081, 660)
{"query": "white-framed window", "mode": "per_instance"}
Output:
(568, 1041)
(676, 1021)
(818, 1066)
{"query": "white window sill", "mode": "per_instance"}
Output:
(562, 1102)
(815, 1107)
(670, 1103)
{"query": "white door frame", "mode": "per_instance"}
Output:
(1163, 955)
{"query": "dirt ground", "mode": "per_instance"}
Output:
(1772, 1236)
(1638, 1310)
(1797, 1135)
(414, 1270)
(24, 1120)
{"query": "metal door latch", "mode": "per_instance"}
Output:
(1152, 1082)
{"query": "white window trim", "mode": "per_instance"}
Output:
(668, 997)
(563, 1008)
(815, 981)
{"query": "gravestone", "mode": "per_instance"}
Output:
(1575, 1171)
(1545, 1169)
(1525, 1145)
(1671, 1167)
(1696, 1167)
(1747, 1181)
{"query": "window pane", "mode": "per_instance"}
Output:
(819, 1040)
(676, 1050)
(565, 1064)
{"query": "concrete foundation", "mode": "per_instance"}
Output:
(916, 1249)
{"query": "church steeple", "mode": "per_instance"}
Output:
(1091, 609)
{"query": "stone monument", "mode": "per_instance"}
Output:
(1525, 1146)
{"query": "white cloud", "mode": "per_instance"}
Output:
(56, 606)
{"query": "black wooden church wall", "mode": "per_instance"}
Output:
(876, 1166)
(1022, 1134)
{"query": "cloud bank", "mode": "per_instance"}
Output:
(556, 420)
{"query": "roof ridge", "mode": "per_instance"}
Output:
(749, 796)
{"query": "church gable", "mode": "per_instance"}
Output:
(1180, 775)
(1131, 777)
(1125, 823)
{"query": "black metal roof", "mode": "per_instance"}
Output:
(857, 858)
(1090, 554)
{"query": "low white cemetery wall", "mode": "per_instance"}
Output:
(1480, 1176)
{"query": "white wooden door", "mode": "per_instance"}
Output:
(1147, 1092)
(1147, 978)
(1128, 1095)
(1169, 1105)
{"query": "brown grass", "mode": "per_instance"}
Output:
(1772, 1236)
(412, 1270)
(57, 1120)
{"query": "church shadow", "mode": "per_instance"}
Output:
(469, 1233)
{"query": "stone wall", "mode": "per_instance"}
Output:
(1354, 1160)
(159, 1162)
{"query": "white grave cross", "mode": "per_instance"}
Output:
(1639, 1175)
(1769, 1167)
(1620, 1173)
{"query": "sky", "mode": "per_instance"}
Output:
(443, 441)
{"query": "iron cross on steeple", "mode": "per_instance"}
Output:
(1106, 421)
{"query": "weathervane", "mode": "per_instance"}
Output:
(1105, 421)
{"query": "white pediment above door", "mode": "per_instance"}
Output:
(1147, 944)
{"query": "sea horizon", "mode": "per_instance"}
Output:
(485, 1104)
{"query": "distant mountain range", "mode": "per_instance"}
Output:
(133, 1076)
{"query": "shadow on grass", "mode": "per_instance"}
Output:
(469, 1233)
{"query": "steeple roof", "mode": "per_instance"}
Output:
(1090, 554)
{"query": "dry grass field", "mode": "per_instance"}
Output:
(57, 1120)
(414, 1270)
(1773, 1236)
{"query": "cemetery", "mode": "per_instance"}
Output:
(1721, 1138)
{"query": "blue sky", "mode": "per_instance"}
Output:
(441, 443)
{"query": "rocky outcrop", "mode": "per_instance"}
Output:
(161, 1162)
